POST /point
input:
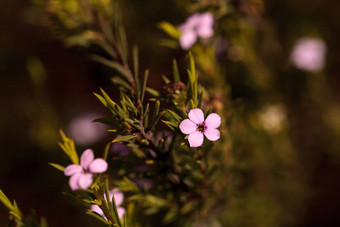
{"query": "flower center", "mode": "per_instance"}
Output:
(201, 127)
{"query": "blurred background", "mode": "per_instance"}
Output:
(281, 62)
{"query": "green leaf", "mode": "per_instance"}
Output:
(6, 201)
(176, 116)
(135, 75)
(98, 217)
(112, 64)
(146, 74)
(170, 124)
(111, 204)
(156, 110)
(175, 71)
(101, 99)
(120, 82)
(200, 101)
(170, 215)
(192, 79)
(123, 42)
(122, 138)
(68, 147)
(16, 215)
(165, 79)
(57, 166)
(168, 43)
(115, 210)
(106, 151)
(153, 92)
(130, 104)
(192, 65)
(170, 29)
(106, 47)
(146, 116)
(43, 222)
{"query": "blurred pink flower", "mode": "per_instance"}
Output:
(81, 175)
(119, 198)
(309, 54)
(197, 25)
(86, 132)
(196, 127)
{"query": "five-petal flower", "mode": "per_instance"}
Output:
(196, 127)
(119, 198)
(81, 175)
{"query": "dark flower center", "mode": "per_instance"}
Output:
(201, 127)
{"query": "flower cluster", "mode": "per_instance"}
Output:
(119, 198)
(81, 175)
(197, 25)
(196, 127)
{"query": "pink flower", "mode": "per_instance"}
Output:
(309, 54)
(196, 127)
(81, 175)
(197, 25)
(119, 198)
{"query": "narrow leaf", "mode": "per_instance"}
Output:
(112, 64)
(166, 79)
(101, 99)
(175, 71)
(200, 101)
(5, 200)
(135, 75)
(122, 138)
(156, 110)
(144, 85)
(176, 116)
(170, 29)
(153, 92)
(57, 166)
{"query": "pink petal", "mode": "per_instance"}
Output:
(212, 134)
(73, 182)
(196, 115)
(72, 169)
(196, 139)
(86, 158)
(213, 121)
(192, 21)
(119, 196)
(205, 32)
(98, 165)
(187, 39)
(96, 208)
(85, 180)
(187, 126)
(205, 27)
(121, 212)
